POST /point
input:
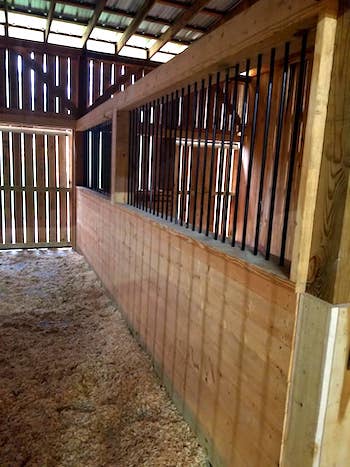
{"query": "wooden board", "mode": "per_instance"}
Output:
(219, 330)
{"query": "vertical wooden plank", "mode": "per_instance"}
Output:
(8, 219)
(26, 79)
(63, 183)
(39, 85)
(107, 71)
(314, 137)
(17, 181)
(63, 75)
(96, 81)
(52, 188)
(29, 183)
(51, 69)
(40, 177)
(2, 79)
(13, 78)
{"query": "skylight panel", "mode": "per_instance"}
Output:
(162, 57)
(140, 41)
(68, 41)
(65, 27)
(133, 52)
(2, 30)
(100, 46)
(102, 34)
(26, 34)
(26, 21)
(2, 16)
(173, 48)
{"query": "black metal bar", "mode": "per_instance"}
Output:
(131, 123)
(166, 153)
(194, 115)
(156, 158)
(229, 155)
(148, 140)
(294, 143)
(137, 154)
(134, 156)
(264, 150)
(94, 158)
(221, 162)
(241, 145)
(184, 165)
(151, 197)
(277, 148)
(86, 158)
(205, 151)
(170, 154)
(212, 158)
(144, 154)
(181, 115)
(160, 159)
(251, 150)
(200, 125)
(175, 122)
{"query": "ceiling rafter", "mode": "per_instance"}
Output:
(49, 18)
(132, 28)
(127, 14)
(93, 20)
(178, 24)
(6, 9)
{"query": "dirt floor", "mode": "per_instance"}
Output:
(75, 387)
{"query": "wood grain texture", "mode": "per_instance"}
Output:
(219, 329)
(329, 267)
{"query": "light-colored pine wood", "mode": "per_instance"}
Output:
(312, 156)
(219, 329)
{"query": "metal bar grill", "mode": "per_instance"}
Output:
(221, 156)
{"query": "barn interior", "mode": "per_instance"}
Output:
(175, 233)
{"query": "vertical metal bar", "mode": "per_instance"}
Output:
(148, 135)
(133, 161)
(278, 148)
(130, 152)
(264, 150)
(144, 153)
(160, 153)
(251, 150)
(184, 165)
(156, 158)
(181, 118)
(166, 153)
(151, 197)
(137, 154)
(175, 122)
(241, 144)
(294, 143)
(205, 153)
(221, 163)
(170, 154)
(200, 125)
(214, 129)
(194, 115)
(229, 166)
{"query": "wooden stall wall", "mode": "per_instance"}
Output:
(219, 330)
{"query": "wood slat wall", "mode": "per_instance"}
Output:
(35, 189)
(219, 330)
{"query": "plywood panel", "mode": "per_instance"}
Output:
(219, 330)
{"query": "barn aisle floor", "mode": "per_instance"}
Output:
(76, 389)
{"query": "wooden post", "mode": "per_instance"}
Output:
(329, 257)
(77, 177)
(314, 138)
(120, 154)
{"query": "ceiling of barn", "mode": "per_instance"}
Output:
(145, 29)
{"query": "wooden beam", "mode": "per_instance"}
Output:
(306, 216)
(267, 22)
(35, 120)
(132, 28)
(49, 18)
(6, 9)
(179, 24)
(93, 20)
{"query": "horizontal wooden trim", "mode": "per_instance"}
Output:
(267, 22)
(36, 120)
(25, 246)
(33, 189)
